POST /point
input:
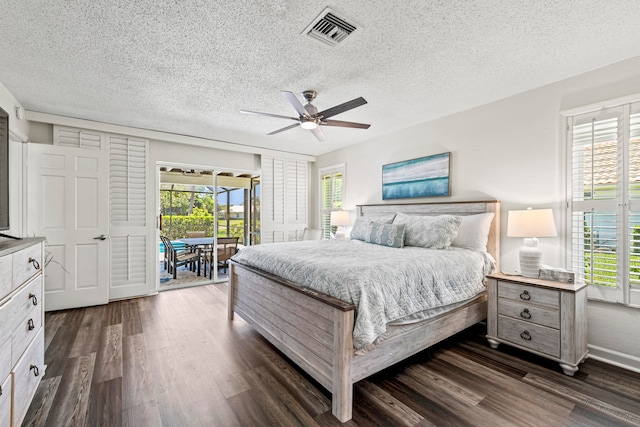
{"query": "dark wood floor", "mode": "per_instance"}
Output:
(174, 360)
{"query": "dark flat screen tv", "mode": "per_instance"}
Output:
(4, 170)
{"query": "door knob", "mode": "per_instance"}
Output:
(100, 237)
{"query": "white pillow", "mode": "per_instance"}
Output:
(474, 231)
(429, 231)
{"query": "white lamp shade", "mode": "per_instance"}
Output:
(340, 218)
(531, 223)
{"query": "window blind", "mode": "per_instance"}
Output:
(596, 165)
(331, 185)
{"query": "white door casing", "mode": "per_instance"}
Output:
(67, 203)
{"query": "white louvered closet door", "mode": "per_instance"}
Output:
(130, 236)
(284, 199)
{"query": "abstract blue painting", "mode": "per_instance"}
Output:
(423, 177)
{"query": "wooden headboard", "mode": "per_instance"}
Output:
(442, 208)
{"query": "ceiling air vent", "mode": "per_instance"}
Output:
(329, 28)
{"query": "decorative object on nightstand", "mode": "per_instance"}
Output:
(540, 316)
(340, 219)
(531, 224)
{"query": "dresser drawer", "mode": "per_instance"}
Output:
(26, 299)
(5, 401)
(528, 335)
(531, 294)
(6, 320)
(25, 332)
(26, 263)
(6, 284)
(26, 377)
(531, 313)
(5, 358)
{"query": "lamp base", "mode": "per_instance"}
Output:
(530, 258)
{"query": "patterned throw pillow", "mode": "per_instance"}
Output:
(361, 226)
(391, 235)
(435, 232)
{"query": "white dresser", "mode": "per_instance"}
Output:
(21, 326)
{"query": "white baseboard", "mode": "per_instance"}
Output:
(615, 358)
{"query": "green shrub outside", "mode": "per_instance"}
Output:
(179, 225)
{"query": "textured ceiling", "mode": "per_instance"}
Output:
(189, 67)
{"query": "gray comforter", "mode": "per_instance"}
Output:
(385, 284)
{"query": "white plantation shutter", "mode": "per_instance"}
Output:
(80, 138)
(128, 206)
(633, 171)
(128, 254)
(283, 199)
(331, 185)
(128, 158)
(605, 201)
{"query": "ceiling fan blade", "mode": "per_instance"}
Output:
(268, 115)
(319, 134)
(330, 112)
(284, 128)
(343, 124)
(295, 102)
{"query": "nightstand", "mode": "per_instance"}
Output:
(543, 317)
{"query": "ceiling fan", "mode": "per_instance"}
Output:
(309, 118)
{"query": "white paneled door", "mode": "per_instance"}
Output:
(68, 203)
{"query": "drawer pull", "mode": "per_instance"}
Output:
(30, 325)
(525, 295)
(525, 336)
(35, 263)
(525, 314)
(34, 299)
(35, 370)
(0, 390)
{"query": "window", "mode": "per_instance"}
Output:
(604, 201)
(331, 196)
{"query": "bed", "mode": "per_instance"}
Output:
(316, 330)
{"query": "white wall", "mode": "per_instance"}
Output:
(161, 151)
(510, 150)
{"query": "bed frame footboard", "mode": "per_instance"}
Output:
(313, 329)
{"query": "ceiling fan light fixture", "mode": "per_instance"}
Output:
(309, 124)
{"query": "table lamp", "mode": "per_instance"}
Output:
(340, 219)
(531, 224)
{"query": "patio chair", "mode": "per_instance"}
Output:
(178, 258)
(196, 234)
(227, 247)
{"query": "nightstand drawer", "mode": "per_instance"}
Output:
(529, 313)
(535, 337)
(530, 294)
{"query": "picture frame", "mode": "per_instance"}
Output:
(422, 177)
